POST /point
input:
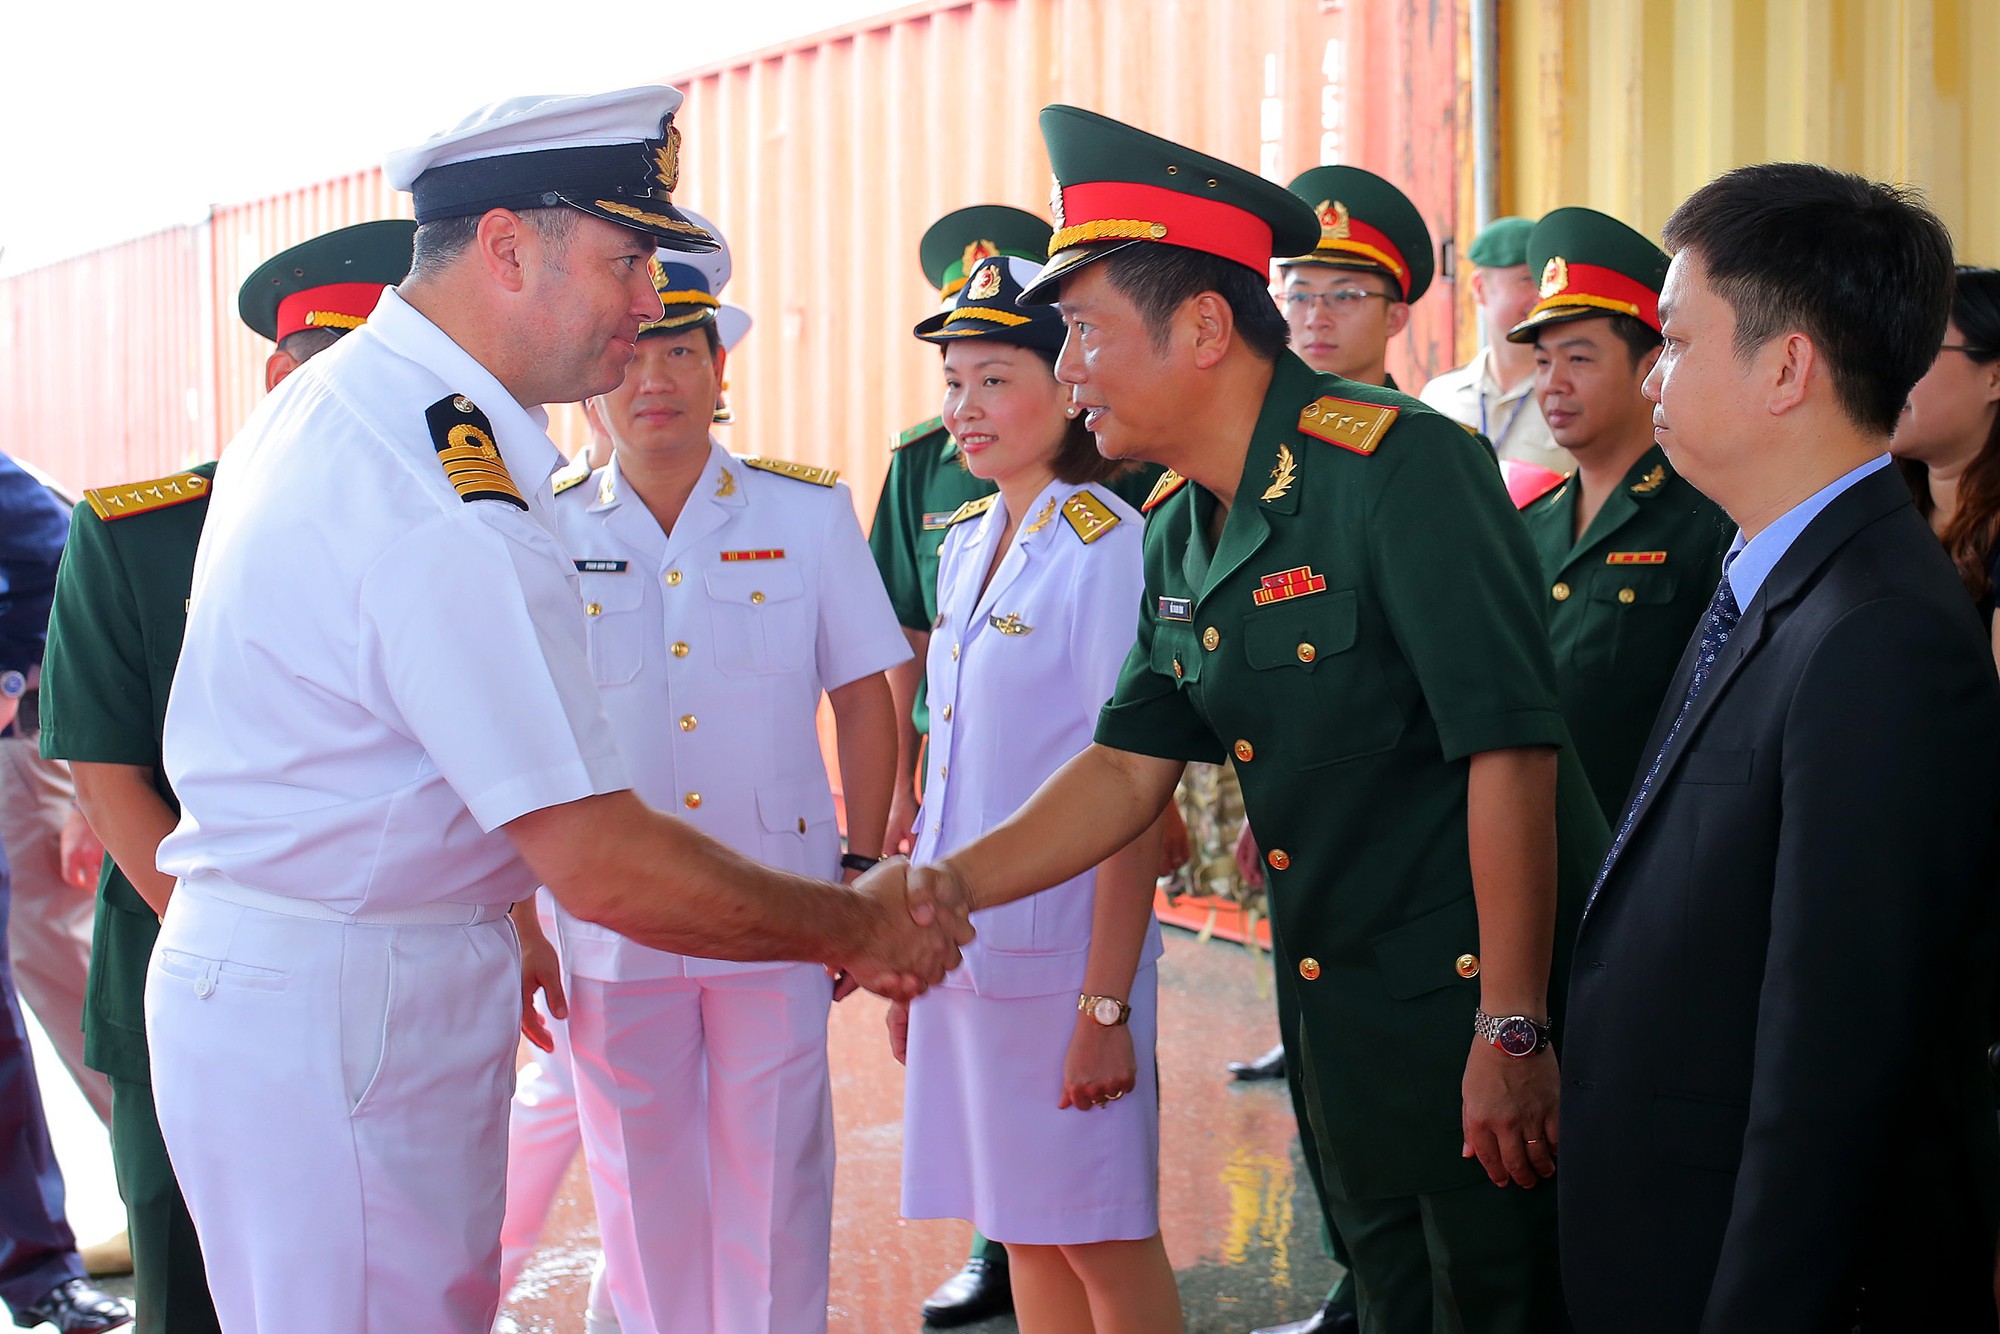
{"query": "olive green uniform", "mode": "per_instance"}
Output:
(114, 637)
(1622, 601)
(1368, 621)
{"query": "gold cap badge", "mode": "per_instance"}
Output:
(667, 160)
(1333, 218)
(986, 285)
(1555, 276)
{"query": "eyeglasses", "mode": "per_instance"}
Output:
(1339, 300)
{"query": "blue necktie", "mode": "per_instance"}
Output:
(1723, 615)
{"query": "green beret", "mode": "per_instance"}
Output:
(1501, 243)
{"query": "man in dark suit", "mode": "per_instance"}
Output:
(1775, 1115)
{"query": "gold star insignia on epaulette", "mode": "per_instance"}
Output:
(1170, 482)
(122, 502)
(798, 472)
(1348, 423)
(1651, 482)
(1283, 475)
(972, 509)
(1089, 516)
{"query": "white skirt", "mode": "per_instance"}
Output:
(983, 1139)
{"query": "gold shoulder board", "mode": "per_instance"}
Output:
(1089, 516)
(1347, 423)
(916, 433)
(798, 472)
(463, 438)
(122, 502)
(574, 474)
(1170, 482)
(972, 509)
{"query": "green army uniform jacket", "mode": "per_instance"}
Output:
(1622, 601)
(1368, 621)
(114, 637)
(926, 483)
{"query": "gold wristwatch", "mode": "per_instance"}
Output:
(1106, 1010)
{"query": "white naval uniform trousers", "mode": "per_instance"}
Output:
(702, 1085)
(378, 674)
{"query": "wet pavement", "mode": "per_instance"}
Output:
(1236, 1206)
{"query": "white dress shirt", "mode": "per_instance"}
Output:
(1511, 419)
(378, 673)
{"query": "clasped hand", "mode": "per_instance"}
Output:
(919, 919)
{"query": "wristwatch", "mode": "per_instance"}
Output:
(855, 861)
(13, 684)
(1106, 1010)
(1515, 1034)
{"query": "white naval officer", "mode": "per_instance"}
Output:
(1031, 1105)
(723, 597)
(384, 731)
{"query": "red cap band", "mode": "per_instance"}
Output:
(1607, 289)
(1122, 210)
(334, 306)
(1370, 245)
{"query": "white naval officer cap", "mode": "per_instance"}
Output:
(731, 323)
(613, 155)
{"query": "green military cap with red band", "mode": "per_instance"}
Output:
(1591, 265)
(954, 245)
(1117, 186)
(330, 282)
(1368, 224)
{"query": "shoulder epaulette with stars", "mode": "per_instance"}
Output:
(122, 502)
(904, 439)
(463, 438)
(1348, 423)
(972, 509)
(1170, 482)
(572, 474)
(1089, 516)
(798, 472)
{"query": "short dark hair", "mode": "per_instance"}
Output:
(303, 345)
(1638, 336)
(1077, 460)
(1861, 268)
(438, 244)
(1159, 279)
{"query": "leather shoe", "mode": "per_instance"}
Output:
(1326, 1320)
(74, 1307)
(1271, 1065)
(979, 1290)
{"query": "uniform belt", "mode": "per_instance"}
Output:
(421, 914)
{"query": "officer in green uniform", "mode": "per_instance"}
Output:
(1630, 553)
(925, 486)
(114, 638)
(1352, 292)
(1339, 597)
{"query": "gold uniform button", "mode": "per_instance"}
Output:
(680, 649)
(688, 723)
(946, 715)
(1627, 596)
(1280, 859)
(1178, 670)
(944, 772)
(591, 609)
(1560, 592)
(802, 824)
(1468, 965)
(1309, 969)
(756, 599)
(1307, 653)
(1245, 751)
(954, 653)
(692, 801)
(1210, 638)
(673, 578)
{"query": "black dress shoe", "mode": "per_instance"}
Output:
(975, 1292)
(74, 1307)
(1326, 1320)
(1271, 1065)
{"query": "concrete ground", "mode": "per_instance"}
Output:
(1237, 1208)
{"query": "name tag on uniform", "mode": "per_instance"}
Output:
(935, 519)
(1176, 609)
(1636, 558)
(766, 553)
(1294, 583)
(601, 566)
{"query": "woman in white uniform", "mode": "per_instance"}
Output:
(1031, 1107)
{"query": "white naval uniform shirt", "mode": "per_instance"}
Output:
(1017, 677)
(1512, 421)
(378, 673)
(711, 646)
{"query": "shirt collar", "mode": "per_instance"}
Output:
(1751, 561)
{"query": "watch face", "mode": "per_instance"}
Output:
(1105, 1011)
(1517, 1037)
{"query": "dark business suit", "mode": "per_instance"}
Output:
(1775, 1111)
